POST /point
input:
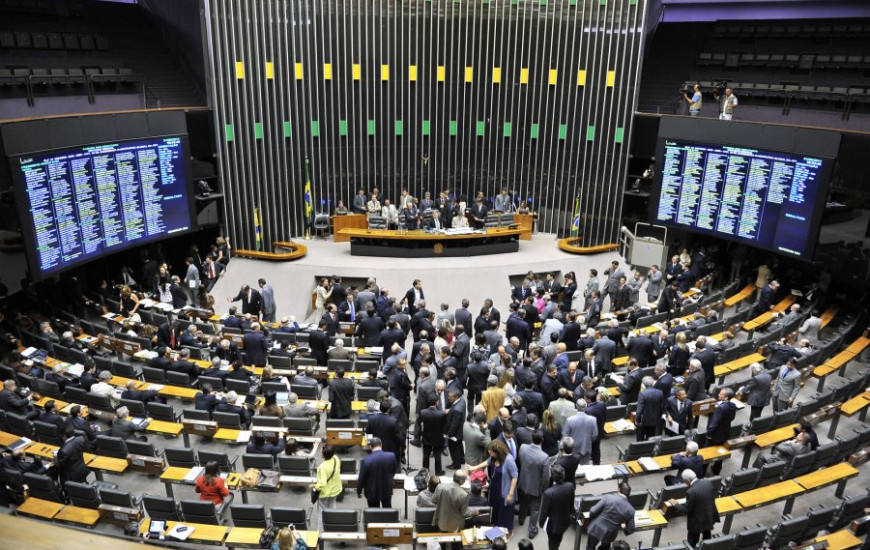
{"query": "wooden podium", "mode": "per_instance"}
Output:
(381, 534)
(348, 221)
(526, 223)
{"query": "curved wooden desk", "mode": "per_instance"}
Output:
(420, 244)
(296, 251)
(569, 245)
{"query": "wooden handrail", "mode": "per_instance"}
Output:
(296, 251)
(568, 245)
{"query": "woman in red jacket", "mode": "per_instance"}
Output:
(211, 486)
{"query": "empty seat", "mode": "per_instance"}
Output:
(42, 486)
(771, 473)
(295, 466)
(111, 446)
(380, 515)
(230, 421)
(47, 433)
(282, 517)
(182, 458)
(161, 411)
(818, 520)
(751, 538)
(115, 497)
(249, 515)
(261, 462)
(636, 449)
(790, 530)
(424, 521)
(204, 511)
(740, 481)
(717, 543)
(82, 494)
(301, 426)
(341, 520)
(142, 448)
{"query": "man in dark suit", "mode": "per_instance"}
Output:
(49, 416)
(557, 503)
(756, 391)
(179, 297)
(318, 342)
(519, 328)
(69, 463)
(567, 459)
(168, 334)
(700, 508)
(228, 405)
(256, 346)
(571, 377)
(206, 400)
(664, 381)
(679, 410)
(369, 329)
(340, 395)
(455, 419)
(400, 385)
(11, 401)
(479, 210)
(212, 271)
(376, 473)
(695, 382)
(463, 316)
(184, 365)
(630, 387)
(461, 350)
(432, 421)
(386, 428)
(250, 300)
(413, 296)
(669, 301)
(641, 348)
(348, 309)
(650, 405)
(686, 460)
(707, 357)
(766, 298)
(519, 293)
(719, 428)
(478, 372)
(571, 333)
(143, 396)
(604, 350)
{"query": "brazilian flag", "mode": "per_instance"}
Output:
(309, 201)
(575, 223)
(258, 228)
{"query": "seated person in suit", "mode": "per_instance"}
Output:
(215, 370)
(288, 324)
(259, 445)
(295, 409)
(193, 337)
(435, 223)
(206, 400)
(79, 424)
(238, 371)
(144, 396)
(49, 416)
(233, 321)
(17, 462)
(226, 350)
(686, 460)
(228, 405)
(125, 428)
(184, 365)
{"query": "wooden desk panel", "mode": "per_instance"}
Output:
(350, 221)
(244, 536)
(766, 495)
(745, 293)
(38, 508)
(727, 505)
(109, 464)
(841, 540)
(821, 478)
(420, 235)
(859, 345)
(211, 534)
(174, 474)
(771, 438)
(526, 223)
(738, 364)
(163, 427)
(829, 315)
(856, 404)
(78, 516)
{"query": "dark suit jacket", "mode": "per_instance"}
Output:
(719, 427)
(707, 357)
(256, 348)
(571, 334)
(386, 428)
(650, 405)
(204, 402)
(664, 384)
(80, 424)
(563, 379)
(249, 305)
(164, 335)
(400, 385)
(411, 297)
(70, 461)
(569, 463)
(318, 341)
(433, 422)
(145, 396)
(51, 418)
(14, 403)
(630, 387)
(557, 504)
(681, 418)
(179, 299)
(455, 418)
(369, 329)
(700, 507)
(340, 395)
(521, 329)
(344, 310)
(641, 348)
(463, 317)
(376, 473)
(695, 386)
(757, 390)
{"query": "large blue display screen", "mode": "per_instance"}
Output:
(97, 199)
(767, 199)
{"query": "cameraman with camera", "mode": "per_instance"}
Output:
(694, 101)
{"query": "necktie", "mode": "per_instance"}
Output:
(171, 338)
(680, 407)
(352, 312)
(211, 271)
(513, 451)
(784, 373)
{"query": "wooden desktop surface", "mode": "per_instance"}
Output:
(745, 293)
(727, 505)
(766, 495)
(420, 235)
(39, 508)
(841, 540)
(856, 404)
(771, 438)
(827, 476)
(738, 364)
(78, 516)
(213, 534)
(829, 315)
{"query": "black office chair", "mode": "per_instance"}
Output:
(249, 515)
(790, 530)
(717, 543)
(424, 521)
(282, 517)
(771, 473)
(751, 538)
(99, 402)
(162, 508)
(142, 448)
(205, 511)
(340, 520)
(124, 499)
(136, 408)
(225, 463)
(111, 446)
(380, 515)
(230, 421)
(18, 424)
(295, 466)
(42, 486)
(266, 422)
(301, 426)
(162, 411)
(195, 414)
(180, 457)
(83, 495)
(261, 462)
(47, 433)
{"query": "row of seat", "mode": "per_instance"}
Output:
(69, 41)
(826, 30)
(805, 61)
(75, 76)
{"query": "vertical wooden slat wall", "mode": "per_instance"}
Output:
(468, 95)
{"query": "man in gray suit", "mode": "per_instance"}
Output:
(811, 328)
(654, 284)
(191, 280)
(608, 516)
(604, 350)
(463, 316)
(786, 386)
(475, 434)
(591, 286)
(611, 285)
(786, 450)
(425, 389)
(534, 479)
(451, 504)
(126, 429)
(267, 301)
(757, 391)
(650, 406)
(583, 429)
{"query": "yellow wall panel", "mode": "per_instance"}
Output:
(554, 77)
(270, 70)
(356, 71)
(327, 71)
(496, 75)
(611, 78)
(524, 76)
(240, 70)
(442, 73)
(299, 72)
(412, 73)
(385, 72)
